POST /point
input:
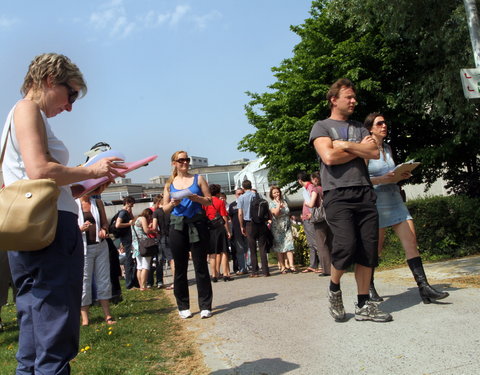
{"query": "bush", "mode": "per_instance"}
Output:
(302, 252)
(446, 227)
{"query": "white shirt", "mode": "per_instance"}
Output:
(14, 168)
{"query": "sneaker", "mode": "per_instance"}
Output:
(160, 285)
(184, 314)
(337, 311)
(370, 311)
(205, 314)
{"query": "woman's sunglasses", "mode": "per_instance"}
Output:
(183, 160)
(72, 94)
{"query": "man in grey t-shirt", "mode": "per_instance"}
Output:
(349, 200)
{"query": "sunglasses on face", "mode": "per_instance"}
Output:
(183, 160)
(72, 94)
(380, 123)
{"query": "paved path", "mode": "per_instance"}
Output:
(281, 325)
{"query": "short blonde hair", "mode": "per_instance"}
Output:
(58, 67)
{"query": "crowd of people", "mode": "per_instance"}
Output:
(346, 207)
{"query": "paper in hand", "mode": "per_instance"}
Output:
(180, 194)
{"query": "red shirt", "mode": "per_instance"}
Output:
(216, 206)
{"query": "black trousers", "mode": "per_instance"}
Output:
(257, 232)
(180, 246)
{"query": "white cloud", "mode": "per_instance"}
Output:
(178, 14)
(6, 23)
(112, 18)
(203, 21)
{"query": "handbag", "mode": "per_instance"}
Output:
(28, 219)
(216, 222)
(147, 247)
(318, 214)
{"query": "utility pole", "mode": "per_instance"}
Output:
(474, 27)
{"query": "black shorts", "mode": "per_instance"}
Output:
(353, 218)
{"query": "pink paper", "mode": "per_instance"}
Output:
(87, 186)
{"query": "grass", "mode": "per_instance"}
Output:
(148, 339)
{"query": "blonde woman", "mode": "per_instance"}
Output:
(188, 232)
(49, 281)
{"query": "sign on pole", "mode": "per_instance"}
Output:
(470, 82)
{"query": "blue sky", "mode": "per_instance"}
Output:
(161, 75)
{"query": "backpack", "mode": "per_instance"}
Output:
(112, 229)
(259, 210)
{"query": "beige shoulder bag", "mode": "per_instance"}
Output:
(28, 212)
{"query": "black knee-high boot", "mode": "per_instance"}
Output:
(427, 292)
(372, 292)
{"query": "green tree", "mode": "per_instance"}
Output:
(404, 57)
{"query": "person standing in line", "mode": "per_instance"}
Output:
(124, 223)
(183, 197)
(310, 194)
(253, 231)
(323, 234)
(239, 242)
(93, 224)
(48, 281)
(393, 212)
(161, 224)
(141, 229)
(282, 231)
(349, 199)
(219, 235)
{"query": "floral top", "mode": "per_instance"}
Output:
(141, 235)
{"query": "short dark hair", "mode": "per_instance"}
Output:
(368, 122)
(214, 189)
(303, 176)
(128, 199)
(334, 90)
(247, 184)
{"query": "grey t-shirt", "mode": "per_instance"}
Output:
(353, 173)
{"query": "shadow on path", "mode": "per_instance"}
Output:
(245, 302)
(264, 366)
(410, 298)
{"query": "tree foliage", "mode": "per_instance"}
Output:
(404, 57)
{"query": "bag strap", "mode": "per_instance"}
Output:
(6, 139)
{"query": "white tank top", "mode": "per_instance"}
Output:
(14, 169)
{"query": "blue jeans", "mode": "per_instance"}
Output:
(49, 284)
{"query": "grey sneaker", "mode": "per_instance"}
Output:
(337, 311)
(370, 311)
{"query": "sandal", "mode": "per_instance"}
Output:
(306, 270)
(170, 287)
(284, 271)
(293, 270)
(110, 321)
